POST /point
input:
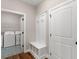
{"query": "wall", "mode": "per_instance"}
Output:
(17, 5)
(10, 22)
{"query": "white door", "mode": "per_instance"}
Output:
(63, 36)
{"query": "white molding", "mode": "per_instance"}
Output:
(19, 13)
(61, 4)
(12, 11)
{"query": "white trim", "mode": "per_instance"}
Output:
(25, 32)
(42, 12)
(61, 4)
(19, 13)
(12, 11)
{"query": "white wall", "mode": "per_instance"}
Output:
(29, 10)
(10, 22)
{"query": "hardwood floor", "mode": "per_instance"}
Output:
(27, 55)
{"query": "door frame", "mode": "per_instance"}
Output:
(19, 13)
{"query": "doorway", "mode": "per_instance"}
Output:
(12, 32)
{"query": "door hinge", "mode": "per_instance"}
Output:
(76, 42)
(50, 53)
(50, 15)
(22, 32)
(50, 34)
(22, 19)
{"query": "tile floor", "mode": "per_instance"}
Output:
(9, 51)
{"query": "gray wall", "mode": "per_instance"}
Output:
(10, 22)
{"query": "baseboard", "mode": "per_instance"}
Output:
(36, 56)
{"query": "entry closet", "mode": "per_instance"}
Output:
(12, 29)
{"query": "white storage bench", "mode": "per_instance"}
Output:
(38, 48)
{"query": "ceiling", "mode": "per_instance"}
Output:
(32, 2)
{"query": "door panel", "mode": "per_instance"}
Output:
(63, 22)
(62, 27)
(62, 51)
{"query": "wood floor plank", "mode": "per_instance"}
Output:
(27, 55)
